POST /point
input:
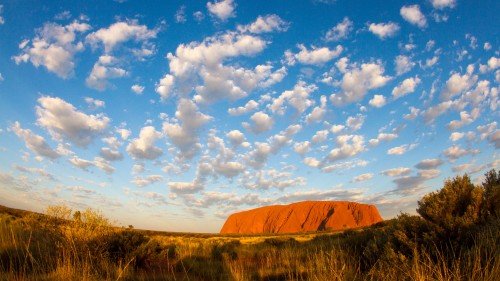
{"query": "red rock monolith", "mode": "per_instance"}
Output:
(302, 217)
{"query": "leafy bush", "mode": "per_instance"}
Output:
(454, 208)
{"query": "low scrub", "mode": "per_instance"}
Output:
(455, 237)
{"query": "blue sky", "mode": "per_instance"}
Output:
(171, 115)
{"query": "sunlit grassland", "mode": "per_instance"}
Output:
(461, 244)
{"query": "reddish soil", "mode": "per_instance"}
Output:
(302, 217)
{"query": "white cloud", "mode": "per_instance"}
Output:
(184, 133)
(62, 120)
(347, 146)
(138, 89)
(164, 86)
(147, 180)
(54, 47)
(402, 149)
(119, 33)
(320, 136)
(465, 119)
(363, 177)
(94, 103)
(302, 147)
(458, 83)
(222, 9)
(110, 154)
(454, 152)
(199, 65)
(318, 112)
(384, 30)
(144, 147)
(403, 64)
(316, 56)
(456, 136)
(34, 142)
(107, 67)
(357, 81)
(383, 137)
(413, 15)
(250, 106)
(337, 128)
(355, 122)
(377, 101)
(340, 31)
(124, 133)
(265, 24)
(441, 4)
(298, 98)
(427, 164)
(236, 137)
(397, 172)
(414, 112)
(261, 123)
(180, 15)
(185, 187)
(406, 87)
(81, 163)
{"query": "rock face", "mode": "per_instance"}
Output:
(302, 217)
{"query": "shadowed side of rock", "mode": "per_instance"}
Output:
(302, 217)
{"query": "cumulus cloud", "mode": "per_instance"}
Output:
(63, 120)
(402, 149)
(403, 64)
(427, 164)
(357, 81)
(94, 103)
(384, 30)
(347, 146)
(164, 86)
(265, 24)
(397, 172)
(383, 137)
(377, 101)
(465, 119)
(314, 56)
(200, 65)
(110, 154)
(34, 142)
(250, 106)
(222, 9)
(409, 185)
(406, 87)
(54, 47)
(302, 147)
(355, 122)
(363, 177)
(144, 147)
(261, 122)
(138, 89)
(441, 4)
(454, 152)
(119, 33)
(185, 187)
(147, 180)
(298, 98)
(413, 15)
(491, 133)
(184, 133)
(457, 84)
(236, 137)
(107, 67)
(340, 31)
(318, 112)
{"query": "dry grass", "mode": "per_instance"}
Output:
(36, 247)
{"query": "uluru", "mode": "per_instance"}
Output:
(302, 217)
